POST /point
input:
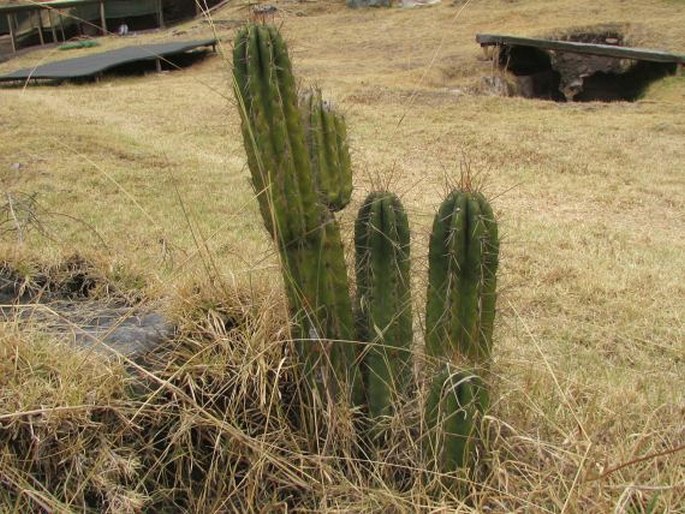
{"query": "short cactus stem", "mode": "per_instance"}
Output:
(329, 154)
(463, 259)
(384, 313)
(454, 408)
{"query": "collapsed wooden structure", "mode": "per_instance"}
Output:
(572, 70)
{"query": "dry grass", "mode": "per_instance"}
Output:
(145, 177)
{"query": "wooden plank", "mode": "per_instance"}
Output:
(93, 64)
(61, 26)
(103, 20)
(13, 34)
(617, 52)
(52, 26)
(40, 27)
(32, 6)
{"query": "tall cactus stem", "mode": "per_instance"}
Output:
(305, 232)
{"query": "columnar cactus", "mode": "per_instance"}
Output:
(454, 407)
(274, 135)
(463, 258)
(306, 233)
(384, 314)
(329, 154)
(300, 166)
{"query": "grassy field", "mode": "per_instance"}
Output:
(145, 177)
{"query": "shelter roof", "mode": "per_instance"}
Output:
(94, 64)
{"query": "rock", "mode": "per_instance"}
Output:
(368, 3)
(100, 326)
(419, 3)
(131, 335)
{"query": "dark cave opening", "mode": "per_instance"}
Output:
(567, 76)
(532, 67)
(629, 86)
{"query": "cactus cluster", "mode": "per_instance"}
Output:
(299, 160)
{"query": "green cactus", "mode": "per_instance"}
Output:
(274, 135)
(329, 154)
(300, 167)
(384, 314)
(307, 235)
(463, 258)
(454, 407)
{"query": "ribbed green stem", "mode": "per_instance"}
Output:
(274, 135)
(329, 154)
(384, 314)
(490, 264)
(305, 232)
(463, 261)
(454, 408)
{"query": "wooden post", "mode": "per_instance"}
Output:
(103, 20)
(52, 25)
(160, 13)
(61, 26)
(13, 35)
(40, 26)
(158, 65)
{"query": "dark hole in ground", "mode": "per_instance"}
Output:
(628, 86)
(568, 76)
(532, 67)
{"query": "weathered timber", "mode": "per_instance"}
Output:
(617, 52)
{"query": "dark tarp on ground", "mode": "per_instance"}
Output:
(91, 65)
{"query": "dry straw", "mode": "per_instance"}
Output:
(588, 358)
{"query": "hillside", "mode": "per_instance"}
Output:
(144, 178)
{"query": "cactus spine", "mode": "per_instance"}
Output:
(307, 235)
(463, 258)
(384, 315)
(329, 154)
